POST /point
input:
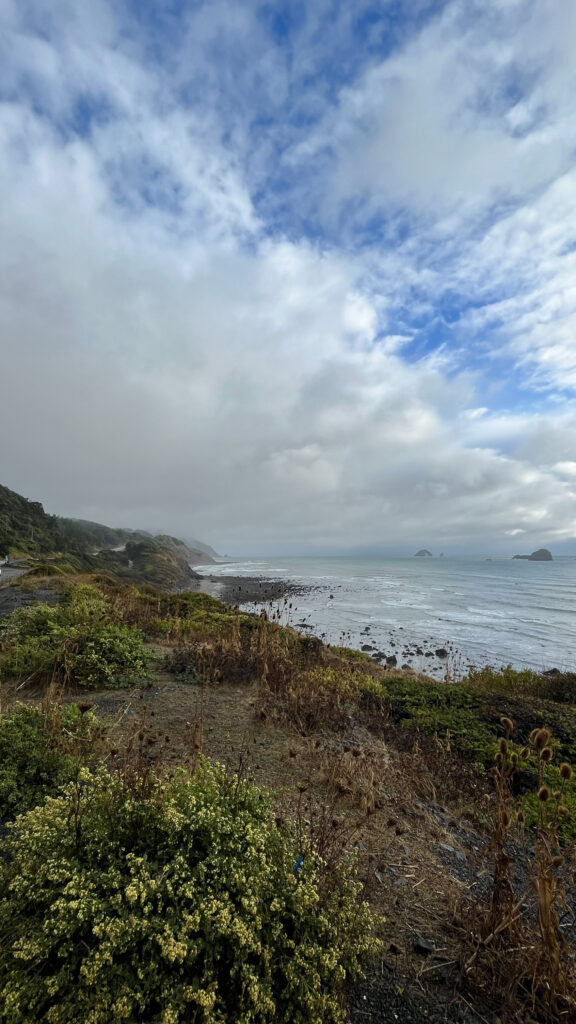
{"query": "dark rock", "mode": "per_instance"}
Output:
(423, 553)
(367, 647)
(392, 660)
(541, 555)
(420, 944)
(441, 652)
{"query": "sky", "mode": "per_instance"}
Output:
(292, 277)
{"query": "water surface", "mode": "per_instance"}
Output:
(496, 611)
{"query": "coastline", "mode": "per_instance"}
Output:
(239, 590)
(441, 619)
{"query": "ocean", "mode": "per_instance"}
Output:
(481, 611)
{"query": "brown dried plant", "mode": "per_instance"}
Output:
(523, 965)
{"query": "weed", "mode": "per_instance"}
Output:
(528, 965)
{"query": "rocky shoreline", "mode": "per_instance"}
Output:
(238, 590)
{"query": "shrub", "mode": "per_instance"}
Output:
(46, 569)
(98, 656)
(107, 657)
(40, 750)
(73, 643)
(553, 685)
(84, 603)
(25, 623)
(182, 905)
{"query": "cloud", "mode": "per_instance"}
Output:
(180, 356)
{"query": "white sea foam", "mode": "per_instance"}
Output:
(504, 611)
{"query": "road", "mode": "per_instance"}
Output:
(11, 571)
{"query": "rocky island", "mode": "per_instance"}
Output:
(423, 553)
(542, 555)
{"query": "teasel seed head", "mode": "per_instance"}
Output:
(541, 739)
(543, 794)
(565, 771)
(507, 724)
(547, 754)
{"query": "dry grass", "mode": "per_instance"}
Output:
(529, 965)
(311, 724)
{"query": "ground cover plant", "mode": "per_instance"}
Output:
(183, 901)
(76, 642)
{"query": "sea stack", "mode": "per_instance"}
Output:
(423, 553)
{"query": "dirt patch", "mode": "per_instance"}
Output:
(419, 859)
(13, 596)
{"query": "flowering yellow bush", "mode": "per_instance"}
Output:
(181, 906)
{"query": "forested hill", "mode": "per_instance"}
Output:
(88, 536)
(26, 529)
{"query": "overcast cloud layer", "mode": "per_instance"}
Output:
(292, 276)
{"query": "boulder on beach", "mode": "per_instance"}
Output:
(542, 555)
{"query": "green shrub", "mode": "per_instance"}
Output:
(84, 603)
(108, 656)
(33, 621)
(46, 569)
(39, 752)
(99, 656)
(554, 685)
(438, 708)
(74, 642)
(184, 905)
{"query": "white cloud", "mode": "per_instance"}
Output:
(171, 363)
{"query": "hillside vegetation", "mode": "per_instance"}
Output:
(192, 850)
(27, 530)
(87, 536)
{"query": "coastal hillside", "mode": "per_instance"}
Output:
(27, 531)
(25, 528)
(88, 536)
(364, 842)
